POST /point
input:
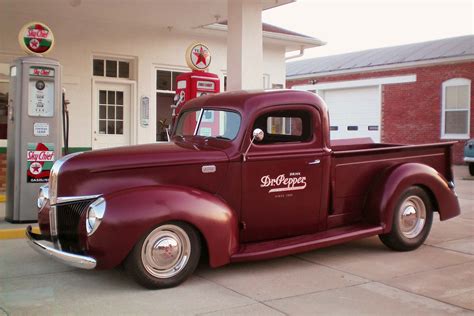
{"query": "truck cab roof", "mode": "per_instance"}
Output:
(247, 102)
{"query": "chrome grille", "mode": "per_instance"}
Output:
(68, 223)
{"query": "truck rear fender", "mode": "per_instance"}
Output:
(132, 213)
(387, 189)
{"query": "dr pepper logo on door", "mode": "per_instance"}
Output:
(36, 38)
(283, 183)
(40, 160)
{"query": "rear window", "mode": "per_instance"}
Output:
(285, 126)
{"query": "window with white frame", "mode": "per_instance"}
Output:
(456, 105)
(111, 68)
(165, 90)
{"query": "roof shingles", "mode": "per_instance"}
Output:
(432, 50)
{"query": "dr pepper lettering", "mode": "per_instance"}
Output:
(282, 183)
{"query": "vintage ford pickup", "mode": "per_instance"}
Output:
(247, 176)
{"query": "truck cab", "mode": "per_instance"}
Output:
(247, 175)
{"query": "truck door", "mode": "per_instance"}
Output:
(282, 175)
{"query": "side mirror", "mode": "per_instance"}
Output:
(257, 136)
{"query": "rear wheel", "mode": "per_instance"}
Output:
(412, 219)
(166, 256)
(471, 168)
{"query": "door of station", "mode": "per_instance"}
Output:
(111, 115)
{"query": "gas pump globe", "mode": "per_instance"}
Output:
(196, 83)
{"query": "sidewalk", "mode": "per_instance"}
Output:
(12, 231)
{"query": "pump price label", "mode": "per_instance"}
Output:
(40, 159)
(41, 129)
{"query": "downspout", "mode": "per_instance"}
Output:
(301, 53)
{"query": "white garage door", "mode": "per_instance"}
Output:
(354, 112)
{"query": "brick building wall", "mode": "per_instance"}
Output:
(411, 112)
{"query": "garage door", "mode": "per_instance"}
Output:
(354, 112)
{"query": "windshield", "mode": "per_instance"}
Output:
(210, 123)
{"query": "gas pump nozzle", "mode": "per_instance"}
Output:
(65, 122)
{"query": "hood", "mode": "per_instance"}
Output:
(109, 170)
(143, 156)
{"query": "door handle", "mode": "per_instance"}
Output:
(314, 162)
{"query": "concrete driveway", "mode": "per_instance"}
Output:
(357, 278)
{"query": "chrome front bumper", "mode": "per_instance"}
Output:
(71, 259)
(468, 159)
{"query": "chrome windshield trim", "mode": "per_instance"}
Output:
(53, 177)
(198, 122)
(69, 199)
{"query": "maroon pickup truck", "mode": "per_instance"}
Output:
(247, 176)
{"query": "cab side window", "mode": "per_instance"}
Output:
(285, 126)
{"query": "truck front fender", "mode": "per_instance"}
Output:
(387, 189)
(132, 213)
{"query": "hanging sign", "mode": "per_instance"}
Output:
(40, 160)
(36, 38)
(198, 56)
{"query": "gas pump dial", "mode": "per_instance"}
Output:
(41, 92)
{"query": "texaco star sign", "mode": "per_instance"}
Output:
(198, 56)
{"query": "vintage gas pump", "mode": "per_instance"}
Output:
(34, 122)
(194, 84)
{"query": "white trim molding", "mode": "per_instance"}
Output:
(356, 83)
(455, 82)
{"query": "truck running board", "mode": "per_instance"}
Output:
(287, 246)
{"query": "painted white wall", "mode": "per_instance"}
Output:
(77, 43)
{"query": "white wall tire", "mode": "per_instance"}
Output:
(412, 220)
(165, 256)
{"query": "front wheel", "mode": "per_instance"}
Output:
(166, 256)
(412, 219)
(471, 168)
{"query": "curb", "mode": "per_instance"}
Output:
(17, 233)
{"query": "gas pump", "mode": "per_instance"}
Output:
(34, 123)
(198, 82)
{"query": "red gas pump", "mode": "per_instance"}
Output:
(196, 83)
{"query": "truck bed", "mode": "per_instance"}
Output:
(357, 163)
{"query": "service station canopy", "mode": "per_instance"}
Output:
(239, 21)
(181, 15)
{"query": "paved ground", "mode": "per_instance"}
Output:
(358, 278)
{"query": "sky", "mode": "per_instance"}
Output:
(354, 25)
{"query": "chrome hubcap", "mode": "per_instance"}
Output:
(166, 251)
(412, 216)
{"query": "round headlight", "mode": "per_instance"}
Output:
(91, 220)
(94, 215)
(43, 197)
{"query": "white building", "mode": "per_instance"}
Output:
(133, 49)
